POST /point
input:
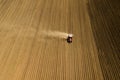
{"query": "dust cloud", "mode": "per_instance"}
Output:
(54, 34)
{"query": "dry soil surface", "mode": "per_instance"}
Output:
(31, 46)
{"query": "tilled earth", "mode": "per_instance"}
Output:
(27, 54)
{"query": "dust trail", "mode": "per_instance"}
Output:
(54, 34)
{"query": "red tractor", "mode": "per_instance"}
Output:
(69, 38)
